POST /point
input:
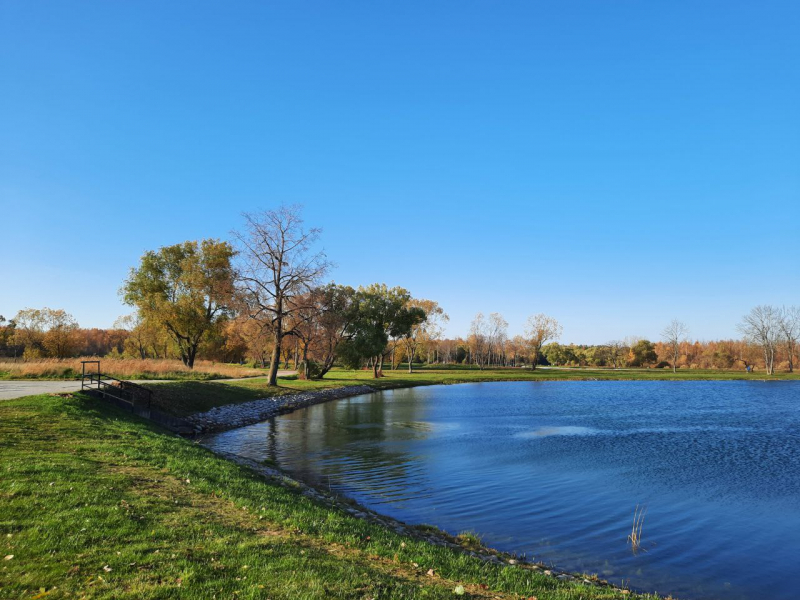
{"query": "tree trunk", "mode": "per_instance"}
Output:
(276, 356)
(410, 352)
(191, 354)
(375, 368)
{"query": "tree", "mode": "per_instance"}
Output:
(497, 336)
(185, 289)
(29, 332)
(761, 326)
(478, 340)
(643, 352)
(59, 338)
(382, 314)
(616, 351)
(277, 266)
(789, 326)
(541, 329)
(419, 314)
(337, 317)
(672, 336)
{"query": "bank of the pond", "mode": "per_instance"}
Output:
(95, 502)
(185, 398)
(231, 416)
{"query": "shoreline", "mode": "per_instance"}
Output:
(235, 415)
(423, 532)
(428, 533)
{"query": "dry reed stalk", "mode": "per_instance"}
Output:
(635, 538)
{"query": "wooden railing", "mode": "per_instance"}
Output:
(125, 391)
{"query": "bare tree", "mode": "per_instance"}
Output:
(478, 339)
(761, 326)
(541, 329)
(425, 318)
(497, 337)
(672, 336)
(789, 326)
(276, 267)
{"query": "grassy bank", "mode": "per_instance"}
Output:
(96, 503)
(183, 398)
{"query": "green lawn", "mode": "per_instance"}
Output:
(96, 503)
(187, 397)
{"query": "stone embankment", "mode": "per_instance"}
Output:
(232, 416)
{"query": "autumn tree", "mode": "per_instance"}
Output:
(186, 289)
(59, 337)
(277, 266)
(6, 336)
(29, 332)
(497, 336)
(137, 341)
(761, 326)
(672, 335)
(517, 346)
(541, 329)
(642, 352)
(478, 339)
(423, 317)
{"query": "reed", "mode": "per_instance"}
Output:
(635, 537)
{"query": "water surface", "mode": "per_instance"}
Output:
(554, 471)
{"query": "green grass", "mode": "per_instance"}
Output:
(184, 398)
(96, 503)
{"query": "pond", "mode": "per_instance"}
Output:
(554, 471)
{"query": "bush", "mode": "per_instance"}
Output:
(314, 370)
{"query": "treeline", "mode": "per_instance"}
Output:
(49, 333)
(769, 342)
(720, 354)
(262, 299)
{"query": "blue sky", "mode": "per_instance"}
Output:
(613, 164)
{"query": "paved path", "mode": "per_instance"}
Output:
(18, 389)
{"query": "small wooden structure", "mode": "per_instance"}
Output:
(127, 392)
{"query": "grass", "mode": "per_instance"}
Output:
(123, 368)
(96, 503)
(183, 398)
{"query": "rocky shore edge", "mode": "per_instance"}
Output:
(232, 416)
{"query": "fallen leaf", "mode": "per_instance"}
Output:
(107, 569)
(8, 557)
(431, 573)
(459, 591)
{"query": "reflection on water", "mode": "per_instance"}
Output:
(554, 471)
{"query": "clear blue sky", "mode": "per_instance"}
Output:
(613, 164)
